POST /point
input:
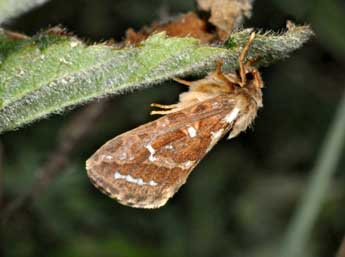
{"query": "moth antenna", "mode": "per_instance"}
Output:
(162, 112)
(241, 59)
(164, 106)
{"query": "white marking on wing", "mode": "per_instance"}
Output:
(140, 182)
(122, 156)
(130, 179)
(215, 136)
(170, 147)
(106, 158)
(152, 152)
(117, 175)
(153, 183)
(232, 115)
(191, 132)
(187, 164)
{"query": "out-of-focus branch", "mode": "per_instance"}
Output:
(341, 251)
(302, 223)
(71, 136)
(226, 15)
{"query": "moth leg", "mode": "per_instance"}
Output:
(163, 106)
(168, 108)
(219, 65)
(241, 59)
(218, 72)
(230, 77)
(162, 112)
(183, 82)
(251, 61)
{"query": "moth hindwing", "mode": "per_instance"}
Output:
(146, 166)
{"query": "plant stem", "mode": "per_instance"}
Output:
(300, 229)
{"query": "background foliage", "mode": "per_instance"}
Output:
(237, 202)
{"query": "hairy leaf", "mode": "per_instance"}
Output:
(51, 71)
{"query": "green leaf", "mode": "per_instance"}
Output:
(51, 71)
(270, 47)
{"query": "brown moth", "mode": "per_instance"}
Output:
(146, 166)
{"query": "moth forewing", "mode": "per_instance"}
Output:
(147, 165)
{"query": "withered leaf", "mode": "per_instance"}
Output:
(226, 15)
(185, 25)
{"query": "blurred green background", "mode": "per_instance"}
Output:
(237, 202)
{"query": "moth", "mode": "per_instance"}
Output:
(146, 166)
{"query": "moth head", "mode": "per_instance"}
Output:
(253, 83)
(247, 75)
(252, 78)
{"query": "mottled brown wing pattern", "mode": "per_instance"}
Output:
(146, 166)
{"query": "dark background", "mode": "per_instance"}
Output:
(240, 198)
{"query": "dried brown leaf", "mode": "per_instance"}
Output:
(185, 25)
(226, 15)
